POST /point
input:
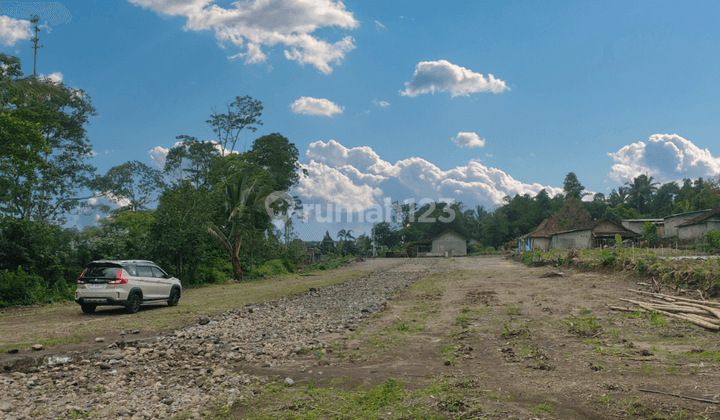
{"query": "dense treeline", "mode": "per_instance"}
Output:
(641, 198)
(202, 216)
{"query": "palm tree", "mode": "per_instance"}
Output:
(240, 199)
(640, 191)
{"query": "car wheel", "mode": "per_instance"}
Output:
(174, 298)
(133, 304)
(88, 308)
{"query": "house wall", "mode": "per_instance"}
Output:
(672, 223)
(634, 226)
(449, 242)
(694, 232)
(580, 240)
(540, 244)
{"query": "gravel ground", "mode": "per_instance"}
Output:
(200, 366)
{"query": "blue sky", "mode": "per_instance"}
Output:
(395, 99)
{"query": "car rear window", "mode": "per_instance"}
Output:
(102, 271)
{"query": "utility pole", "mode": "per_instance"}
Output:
(35, 40)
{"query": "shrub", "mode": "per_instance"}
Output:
(270, 268)
(21, 288)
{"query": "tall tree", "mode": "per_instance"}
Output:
(242, 113)
(47, 186)
(573, 214)
(242, 198)
(640, 192)
(134, 182)
(572, 187)
(275, 154)
(197, 159)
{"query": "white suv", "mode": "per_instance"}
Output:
(127, 283)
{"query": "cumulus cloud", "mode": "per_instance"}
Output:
(56, 77)
(158, 155)
(359, 177)
(666, 157)
(443, 76)
(315, 106)
(468, 140)
(381, 104)
(254, 24)
(14, 30)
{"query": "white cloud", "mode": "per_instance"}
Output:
(56, 77)
(254, 24)
(381, 104)
(443, 76)
(13, 30)
(334, 187)
(158, 155)
(117, 199)
(358, 176)
(468, 140)
(92, 201)
(666, 157)
(379, 26)
(315, 106)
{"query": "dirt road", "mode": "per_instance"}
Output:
(475, 337)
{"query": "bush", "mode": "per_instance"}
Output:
(272, 268)
(21, 288)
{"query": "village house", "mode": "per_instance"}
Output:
(446, 244)
(595, 234)
(540, 238)
(699, 225)
(637, 225)
(673, 221)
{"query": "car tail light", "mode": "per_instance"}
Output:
(119, 279)
(80, 279)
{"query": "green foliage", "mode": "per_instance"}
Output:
(584, 327)
(272, 268)
(43, 146)
(608, 257)
(649, 233)
(710, 242)
(572, 187)
(20, 288)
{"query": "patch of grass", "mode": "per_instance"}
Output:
(542, 409)
(447, 353)
(584, 327)
(713, 356)
(513, 310)
(657, 319)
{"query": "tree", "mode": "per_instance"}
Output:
(133, 181)
(180, 231)
(327, 246)
(47, 186)
(243, 112)
(275, 154)
(640, 192)
(572, 187)
(618, 197)
(197, 158)
(664, 199)
(240, 200)
(573, 214)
